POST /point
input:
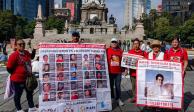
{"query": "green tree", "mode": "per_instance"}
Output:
(162, 28)
(54, 23)
(7, 25)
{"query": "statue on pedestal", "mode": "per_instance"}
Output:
(112, 20)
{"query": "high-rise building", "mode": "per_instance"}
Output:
(75, 8)
(28, 8)
(133, 10)
(181, 8)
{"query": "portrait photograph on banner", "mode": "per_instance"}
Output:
(72, 76)
(159, 84)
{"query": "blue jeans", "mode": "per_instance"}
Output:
(115, 79)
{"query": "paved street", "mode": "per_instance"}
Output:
(8, 105)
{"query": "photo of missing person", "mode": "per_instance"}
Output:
(86, 75)
(45, 58)
(60, 95)
(85, 62)
(115, 60)
(59, 58)
(98, 75)
(46, 97)
(46, 87)
(46, 77)
(73, 57)
(98, 58)
(98, 66)
(87, 84)
(73, 76)
(90, 93)
(60, 86)
(52, 96)
(60, 76)
(74, 85)
(73, 67)
(102, 84)
(46, 68)
(60, 66)
(74, 95)
(159, 84)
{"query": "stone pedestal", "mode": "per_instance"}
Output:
(111, 28)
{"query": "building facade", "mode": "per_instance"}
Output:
(133, 11)
(182, 8)
(29, 8)
(75, 8)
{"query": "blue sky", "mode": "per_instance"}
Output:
(115, 7)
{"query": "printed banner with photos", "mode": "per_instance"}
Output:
(159, 84)
(130, 60)
(74, 78)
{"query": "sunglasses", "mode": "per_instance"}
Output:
(114, 41)
(20, 44)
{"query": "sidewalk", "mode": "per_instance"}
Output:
(8, 105)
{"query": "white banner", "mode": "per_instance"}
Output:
(74, 78)
(159, 84)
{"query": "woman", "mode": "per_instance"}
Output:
(19, 66)
(178, 54)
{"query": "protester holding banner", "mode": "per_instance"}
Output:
(156, 54)
(178, 54)
(137, 51)
(19, 64)
(75, 37)
(114, 55)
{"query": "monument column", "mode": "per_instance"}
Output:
(39, 29)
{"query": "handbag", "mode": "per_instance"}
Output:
(31, 82)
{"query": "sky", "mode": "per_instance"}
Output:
(115, 7)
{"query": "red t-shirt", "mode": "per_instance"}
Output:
(138, 52)
(18, 66)
(114, 60)
(177, 56)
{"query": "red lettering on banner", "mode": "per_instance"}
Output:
(161, 104)
(99, 46)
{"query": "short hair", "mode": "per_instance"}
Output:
(136, 39)
(159, 75)
(75, 34)
(175, 38)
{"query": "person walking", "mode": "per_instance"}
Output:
(114, 55)
(137, 51)
(19, 64)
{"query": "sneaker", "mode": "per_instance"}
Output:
(120, 102)
(34, 109)
(20, 111)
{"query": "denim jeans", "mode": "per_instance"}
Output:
(115, 79)
(19, 87)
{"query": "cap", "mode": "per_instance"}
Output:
(114, 39)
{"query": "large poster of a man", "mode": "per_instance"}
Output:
(159, 84)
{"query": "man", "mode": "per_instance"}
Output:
(178, 54)
(75, 37)
(137, 51)
(155, 90)
(114, 55)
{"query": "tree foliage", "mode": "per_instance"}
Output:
(54, 23)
